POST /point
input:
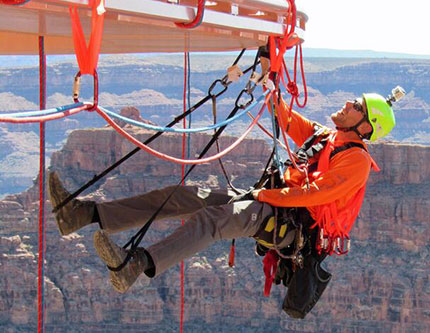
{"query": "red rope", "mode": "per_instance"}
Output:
(41, 275)
(284, 43)
(63, 114)
(14, 2)
(184, 137)
(278, 67)
(198, 19)
(291, 87)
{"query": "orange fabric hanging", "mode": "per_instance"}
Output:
(336, 223)
(270, 266)
(88, 57)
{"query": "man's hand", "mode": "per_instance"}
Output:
(248, 195)
(255, 194)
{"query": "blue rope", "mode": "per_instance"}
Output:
(277, 159)
(41, 112)
(186, 130)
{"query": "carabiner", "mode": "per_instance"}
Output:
(223, 83)
(244, 105)
(77, 87)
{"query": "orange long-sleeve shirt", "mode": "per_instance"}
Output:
(348, 172)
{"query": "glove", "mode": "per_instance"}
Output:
(244, 196)
(284, 273)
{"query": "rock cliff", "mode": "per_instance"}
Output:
(155, 86)
(382, 285)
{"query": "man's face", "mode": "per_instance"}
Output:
(351, 113)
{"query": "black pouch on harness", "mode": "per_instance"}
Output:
(305, 288)
(285, 232)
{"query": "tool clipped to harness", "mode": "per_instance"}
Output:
(337, 245)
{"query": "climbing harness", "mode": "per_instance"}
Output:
(290, 234)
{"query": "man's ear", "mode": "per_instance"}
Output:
(365, 128)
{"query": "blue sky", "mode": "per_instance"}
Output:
(379, 25)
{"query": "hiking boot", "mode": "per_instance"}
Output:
(114, 255)
(73, 216)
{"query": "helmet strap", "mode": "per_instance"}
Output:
(355, 128)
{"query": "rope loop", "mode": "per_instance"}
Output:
(293, 89)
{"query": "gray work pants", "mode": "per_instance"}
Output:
(209, 218)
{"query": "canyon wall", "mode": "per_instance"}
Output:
(382, 285)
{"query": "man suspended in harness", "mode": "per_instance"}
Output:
(322, 206)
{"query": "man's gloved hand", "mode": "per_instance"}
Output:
(284, 273)
(243, 196)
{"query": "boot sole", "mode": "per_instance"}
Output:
(55, 198)
(106, 250)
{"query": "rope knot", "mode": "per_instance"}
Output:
(293, 89)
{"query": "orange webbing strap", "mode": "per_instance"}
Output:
(335, 225)
(375, 166)
(88, 56)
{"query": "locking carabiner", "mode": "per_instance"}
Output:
(77, 87)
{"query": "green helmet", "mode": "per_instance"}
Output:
(380, 115)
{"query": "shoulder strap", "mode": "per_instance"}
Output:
(319, 131)
(313, 167)
(345, 147)
(309, 148)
